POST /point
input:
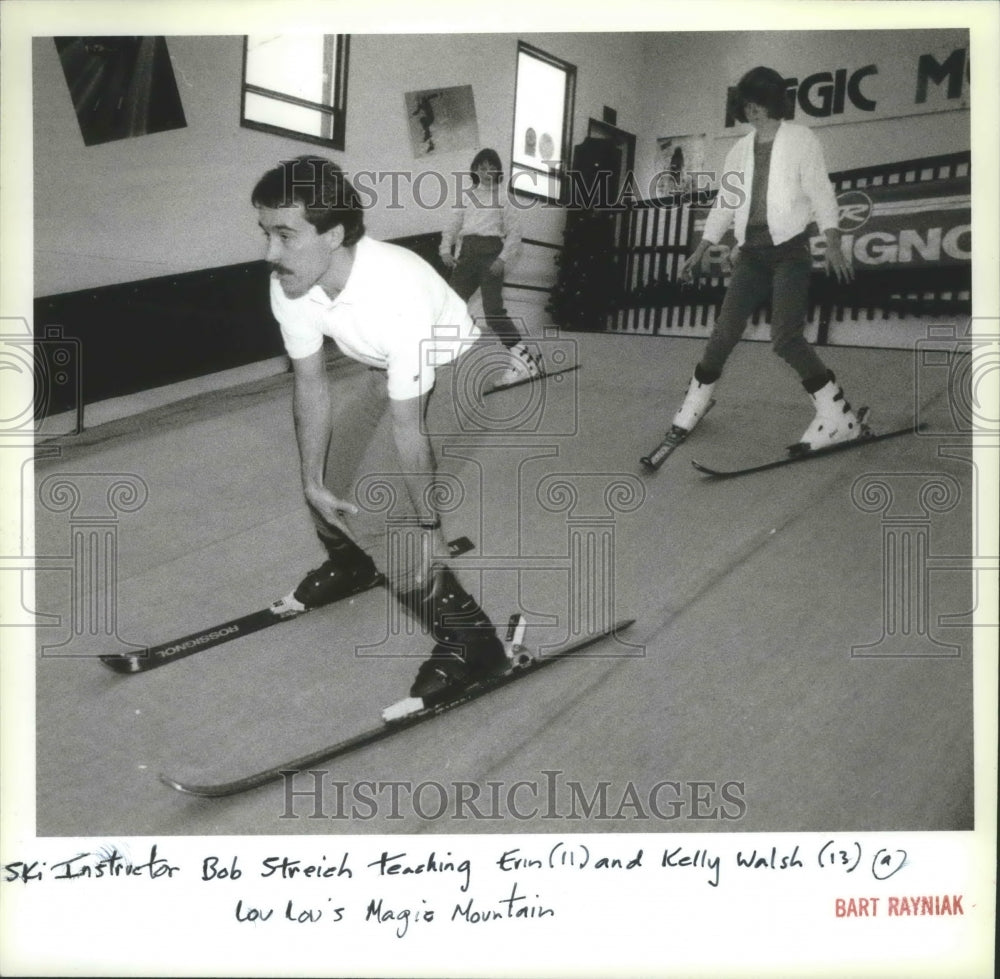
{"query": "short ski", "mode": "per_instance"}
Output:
(865, 439)
(152, 657)
(675, 437)
(496, 388)
(523, 664)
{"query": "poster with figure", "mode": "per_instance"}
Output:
(442, 120)
(678, 158)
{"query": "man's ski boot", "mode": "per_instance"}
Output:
(524, 365)
(467, 647)
(348, 570)
(834, 421)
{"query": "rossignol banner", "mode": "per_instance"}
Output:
(892, 226)
(907, 226)
(869, 76)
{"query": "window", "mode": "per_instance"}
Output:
(296, 85)
(543, 123)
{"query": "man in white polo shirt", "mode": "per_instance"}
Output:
(386, 307)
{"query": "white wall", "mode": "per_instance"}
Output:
(179, 200)
(686, 77)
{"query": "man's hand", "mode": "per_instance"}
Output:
(497, 267)
(331, 509)
(448, 261)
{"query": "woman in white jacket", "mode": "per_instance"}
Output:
(785, 187)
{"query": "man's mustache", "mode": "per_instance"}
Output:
(280, 269)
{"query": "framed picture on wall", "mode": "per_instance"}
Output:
(441, 120)
(121, 87)
(678, 159)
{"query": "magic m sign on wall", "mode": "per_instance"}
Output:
(863, 81)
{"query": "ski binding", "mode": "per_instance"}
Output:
(675, 437)
(544, 375)
(518, 656)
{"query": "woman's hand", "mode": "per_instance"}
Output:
(835, 258)
(687, 270)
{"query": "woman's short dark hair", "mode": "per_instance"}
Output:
(764, 87)
(491, 158)
(320, 186)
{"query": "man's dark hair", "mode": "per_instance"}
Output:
(491, 158)
(764, 87)
(319, 185)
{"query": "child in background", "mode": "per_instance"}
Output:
(482, 239)
(787, 187)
